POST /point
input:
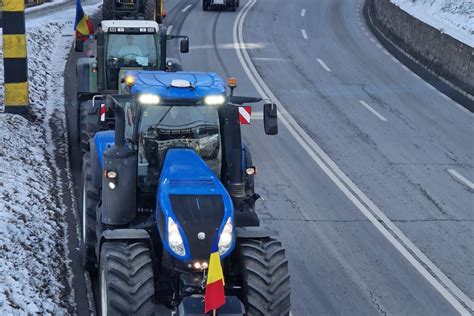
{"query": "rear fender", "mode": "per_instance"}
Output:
(86, 72)
(254, 233)
(123, 234)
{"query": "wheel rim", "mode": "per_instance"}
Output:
(103, 294)
(84, 209)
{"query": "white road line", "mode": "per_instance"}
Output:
(270, 59)
(461, 178)
(367, 33)
(386, 52)
(372, 39)
(303, 12)
(381, 222)
(186, 8)
(168, 31)
(303, 32)
(368, 107)
(395, 60)
(323, 64)
(379, 46)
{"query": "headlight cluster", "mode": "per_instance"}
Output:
(225, 240)
(148, 99)
(175, 240)
(214, 100)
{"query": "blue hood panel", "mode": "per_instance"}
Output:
(159, 82)
(185, 173)
(103, 140)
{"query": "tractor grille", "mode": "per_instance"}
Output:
(193, 183)
(196, 214)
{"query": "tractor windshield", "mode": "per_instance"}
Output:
(164, 127)
(132, 50)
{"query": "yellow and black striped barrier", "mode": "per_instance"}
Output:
(15, 63)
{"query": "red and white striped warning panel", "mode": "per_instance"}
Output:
(102, 112)
(245, 114)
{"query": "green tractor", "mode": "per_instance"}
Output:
(153, 10)
(118, 47)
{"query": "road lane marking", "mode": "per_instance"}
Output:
(270, 59)
(461, 178)
(323, 64)
(168, 31)
(372, 39)
(303, 32)
(386, 52)
(368, 107)
(395, 60)
(187, 8)
(384, 225)
(303, 12)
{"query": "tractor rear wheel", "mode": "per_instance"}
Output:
(152, 11)
(205, 5)
(265, 277)
(107, 8)
(90, 198)
(126, 279)
(84, 134)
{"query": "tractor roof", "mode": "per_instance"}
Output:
(177, 85)
(129, 24)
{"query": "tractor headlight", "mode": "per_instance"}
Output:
(175, 240)
(225, 240)
(148, 99)
(214, 100)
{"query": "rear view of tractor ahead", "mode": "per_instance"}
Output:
(169, 183)
(153, 10)
(118, 47)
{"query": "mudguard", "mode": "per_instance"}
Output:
(86, 75)
(254, 232)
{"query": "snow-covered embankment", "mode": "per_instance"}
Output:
(35, 275)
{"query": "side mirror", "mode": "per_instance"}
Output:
(184, 46)
(79, 45)
(270, 118)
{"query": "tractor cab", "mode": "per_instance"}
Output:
(120, 46)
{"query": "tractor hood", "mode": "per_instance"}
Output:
(161, 83)
(193, 198)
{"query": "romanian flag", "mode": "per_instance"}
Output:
(82, 25)
(214, 296)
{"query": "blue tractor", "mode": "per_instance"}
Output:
(158, 188)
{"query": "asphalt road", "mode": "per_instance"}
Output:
(357, 181)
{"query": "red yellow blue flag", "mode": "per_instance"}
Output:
(82, 24)
(214, 295)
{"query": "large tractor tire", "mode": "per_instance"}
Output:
(107, 8)
(265, 277)
(85, 135)
(205, 5)
(90, 198)
(152, 11)
(126, 279)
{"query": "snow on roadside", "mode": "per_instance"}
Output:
(35, 273)
(453, 17)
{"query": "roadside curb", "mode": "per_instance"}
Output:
(39, 10)
(441, 83)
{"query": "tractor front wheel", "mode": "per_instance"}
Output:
(90, 198)
(265, 277)
(126, 279)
